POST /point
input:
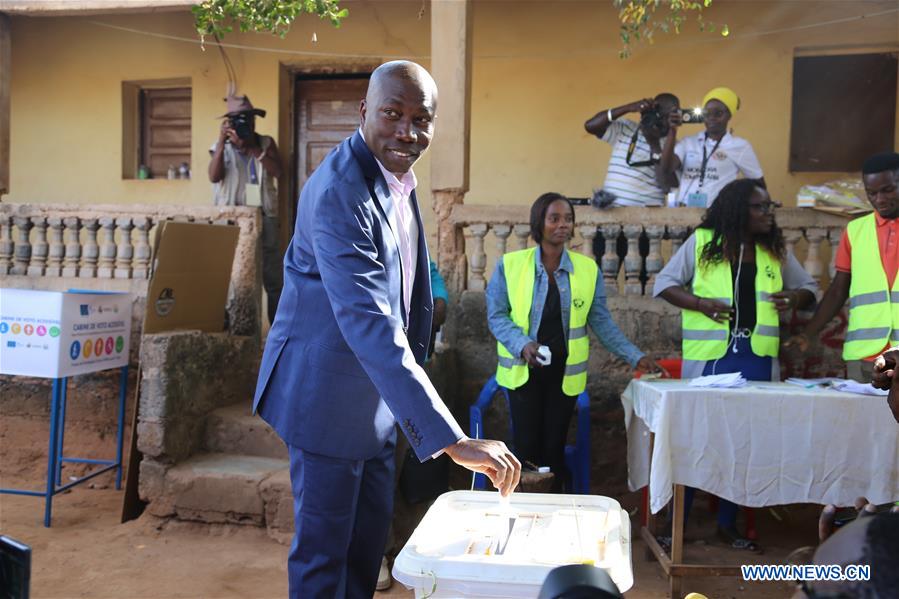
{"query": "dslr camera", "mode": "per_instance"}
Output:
(652, 118)
(692, 116)
(242, 123)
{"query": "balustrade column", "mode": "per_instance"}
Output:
(106, 266)
(477, 261)
(677, 235)
(57, 247)
(610, 258)
(588, 232)
(791, 236)
(522, 232)
(633, 261)
(40, 248)
(502, 233)
(91, 250)
(22, 250)
(124, 251)
(833, 236)
(6, 244)
(73, 247)
(142, 248)
(813, 265)
(654, 260)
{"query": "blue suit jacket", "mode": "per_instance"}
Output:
(341, 361)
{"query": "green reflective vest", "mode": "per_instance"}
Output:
(705, 339)
(520, 268)
(873, 306)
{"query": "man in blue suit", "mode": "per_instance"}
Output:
(342, 362)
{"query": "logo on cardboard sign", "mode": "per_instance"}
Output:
(85, 309)
(41, 330)
(54, 331)
(119, 344)
(88, 347)
(29, 329)
(165, 302)
(3, 328)
(75, 350)
(16, 328)
(110, 345)
(10, 344)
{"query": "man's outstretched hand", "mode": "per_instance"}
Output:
(884, 368)
(492, 458)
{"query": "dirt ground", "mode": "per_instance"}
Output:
(88, 553)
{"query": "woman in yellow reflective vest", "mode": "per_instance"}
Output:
(539, 303)
(732, 277)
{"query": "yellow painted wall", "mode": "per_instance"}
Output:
(545, 68)
(540, 70)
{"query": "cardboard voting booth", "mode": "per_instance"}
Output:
(53, 334)
(188, 290)
(191, 273)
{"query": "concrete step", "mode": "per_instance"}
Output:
(234, 429)
(225, 488)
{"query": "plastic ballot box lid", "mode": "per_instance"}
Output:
(472, 544)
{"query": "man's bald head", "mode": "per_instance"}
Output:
(405, 70)
(398, 114)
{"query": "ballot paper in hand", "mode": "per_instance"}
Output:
(729, 380)
(850, 386)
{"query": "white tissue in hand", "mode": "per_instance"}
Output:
(544, 355)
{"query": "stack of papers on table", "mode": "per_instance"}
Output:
(729, 380)
(850, 386)
(845, 385)
(810, 383)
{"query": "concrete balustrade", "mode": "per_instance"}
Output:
(665, 229)
(108, 248)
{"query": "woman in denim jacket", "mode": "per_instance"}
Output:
(541, 299)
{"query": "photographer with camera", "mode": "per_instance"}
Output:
(704, 163)
(244, 168)
(636, 149)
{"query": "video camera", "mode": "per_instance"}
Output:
(692, 116)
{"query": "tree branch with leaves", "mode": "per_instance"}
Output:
(218, 17)
(642, 19)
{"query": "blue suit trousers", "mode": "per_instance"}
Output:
(342, 513)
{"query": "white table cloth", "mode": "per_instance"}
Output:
(763, 444)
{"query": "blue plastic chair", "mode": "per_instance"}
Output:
(577, 457)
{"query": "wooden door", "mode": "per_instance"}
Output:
(327, 112)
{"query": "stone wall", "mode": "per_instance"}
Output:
(186, 375)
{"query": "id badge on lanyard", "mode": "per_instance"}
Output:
(699, 198)
(254, 185)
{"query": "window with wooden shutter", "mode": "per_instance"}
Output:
(164, 129)
(844, 110)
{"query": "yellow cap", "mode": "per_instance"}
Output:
(696, 596)
(726, 96)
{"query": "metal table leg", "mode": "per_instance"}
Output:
(123, 392)
(52, 450)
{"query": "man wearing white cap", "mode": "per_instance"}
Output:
(704, 163)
